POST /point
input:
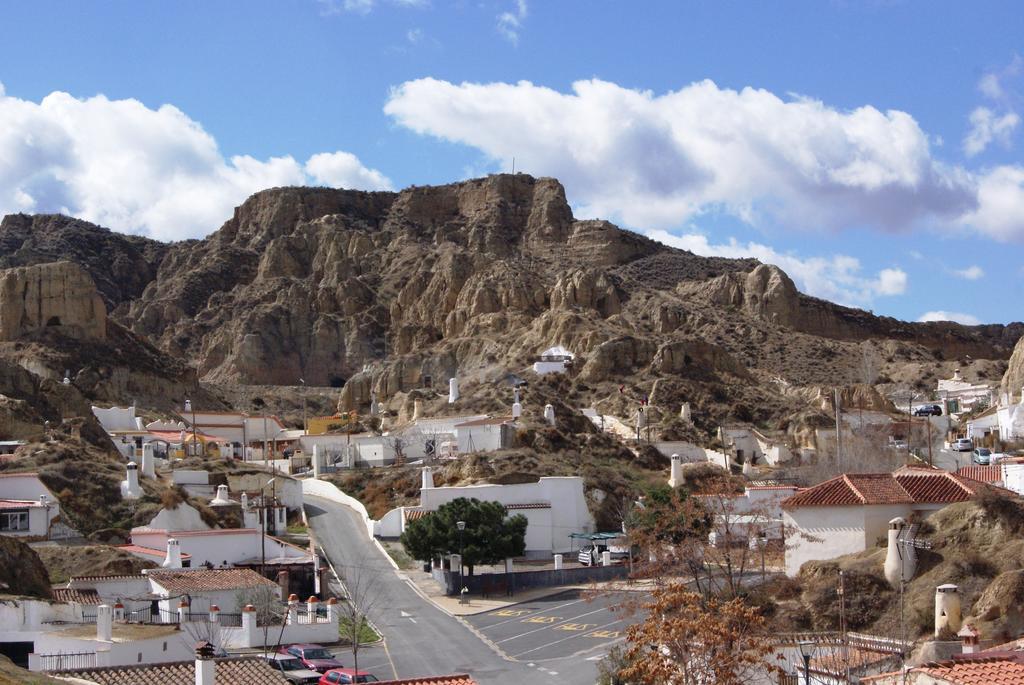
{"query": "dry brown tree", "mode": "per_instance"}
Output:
(688, 639)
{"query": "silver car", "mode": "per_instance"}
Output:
(292, 669)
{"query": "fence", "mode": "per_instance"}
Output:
(492, 584)
(67, 662)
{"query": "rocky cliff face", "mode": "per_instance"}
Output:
(383, 292)
(1013, 379)
(59, 295)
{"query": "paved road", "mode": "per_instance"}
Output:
(420, 639)
(551, 627)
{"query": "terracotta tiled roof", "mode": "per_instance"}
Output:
(460, 679)
(201, 580)
(906, 486)
(19, 503)
(245, 670)
(986, 474)
(149, 551)
(489, 421)
(988, 668)
(63, 594)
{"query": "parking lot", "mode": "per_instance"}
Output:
(558, 626)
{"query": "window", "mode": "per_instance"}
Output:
(333, 677)
(11, 521)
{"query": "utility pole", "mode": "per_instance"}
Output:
(839, 432)
(305, 427)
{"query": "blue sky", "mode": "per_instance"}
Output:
(873, 150)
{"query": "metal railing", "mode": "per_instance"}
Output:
(67, 662)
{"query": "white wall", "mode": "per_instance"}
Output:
(186, 477)
(835, 531)
(23, 486)
(568, 513)
(219, 547)
(114, 419)
(479, 438)
(541, 368)
(288, 489)
(182, 517)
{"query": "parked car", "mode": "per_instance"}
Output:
(293, 670)
(313, 657)
(963, 445)
(344, 676)
(928, 410)
(983, 456)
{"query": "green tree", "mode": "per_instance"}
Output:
(490, 535)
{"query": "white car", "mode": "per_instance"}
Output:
(963, 445)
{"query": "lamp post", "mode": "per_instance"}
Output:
(806, 651)
(263, 521)
(461, 525)
(191, 410)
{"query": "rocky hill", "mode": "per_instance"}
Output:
(387, 292)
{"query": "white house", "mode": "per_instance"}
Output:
(851, 513)
(1011, 419)
(223, 547)
(554, 508)
(205, 587)
(27, 507)
(553, 360)
(485, 435)
(755, 511)
(961, 396)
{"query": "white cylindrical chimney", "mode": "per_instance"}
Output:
(684, 412)
(131, 482)
(428, 478)
(316, 461)
(244, 499)
(104, 622)
(549, 414)
(675, 477)
(417, 409)
(900, 559)
(222, 497)
(947, 609)
(517, 410)
(173, 558)
(374, 405)
(453, 390)
(148, 463)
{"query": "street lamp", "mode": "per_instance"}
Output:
(263, 520)
(189, 409)
(305, 427)
(461, 525)
(806, 652)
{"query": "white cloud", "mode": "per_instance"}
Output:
(838, 278)
(655, 161)
(510, 23)
(957, 317)
(986, 127)
(344, 170)
(1000, 211)
(971, 273)
(414, 35)
(363, 6)
(123, 165)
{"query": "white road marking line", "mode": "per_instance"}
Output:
(552, 625)
(538, 611)
(563, 640)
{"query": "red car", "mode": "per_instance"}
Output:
(344, 676)
(313, 657)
